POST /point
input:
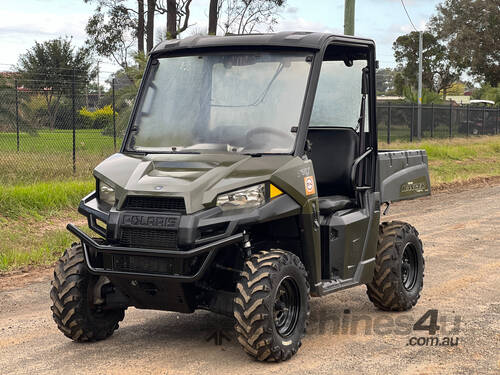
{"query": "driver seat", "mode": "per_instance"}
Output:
(333, 203)
(333, 151)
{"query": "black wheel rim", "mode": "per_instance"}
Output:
(409, 267)
(286, 307)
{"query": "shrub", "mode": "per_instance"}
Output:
(33, 112)
(101, 118)
(85, 118)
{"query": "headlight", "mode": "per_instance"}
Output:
(253, 196)
(106, 193)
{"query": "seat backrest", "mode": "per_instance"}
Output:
(333, 151)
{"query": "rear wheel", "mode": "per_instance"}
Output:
(73, 308)
(272, 306)
(399, 268)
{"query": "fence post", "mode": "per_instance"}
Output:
(114, 113)
(451, 115)
(17, 115)
(484, 120)
(73, 120)
(496, 120)
(411, 123)
(432, 120)
(468, 116)
(389, 123)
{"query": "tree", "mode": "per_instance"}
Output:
(51, 68)
(140, 26)
(471, 29)
(8, 102)
(428, 96)
(150, 25)
(178, 13)
(111, 31)
(438, 71)
(247, 16)
(213, 13)
(127, 81)
(114, 28)
(457, 89)
(486, 92)
(399, 83)
(385, 80)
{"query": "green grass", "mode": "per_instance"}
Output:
(33, 219)
(41, 199)
(458, 160)
(23, 248)
(48, 155)
(58, 141)
(34, 242)
(33, 216)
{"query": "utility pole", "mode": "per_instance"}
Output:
(349, 9)
(419, 116)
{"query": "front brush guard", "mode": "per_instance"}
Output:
(210, 248)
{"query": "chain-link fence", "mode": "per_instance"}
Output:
(52, 130)
(63, 129)
(399, 121)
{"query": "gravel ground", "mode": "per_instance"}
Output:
(347, 334)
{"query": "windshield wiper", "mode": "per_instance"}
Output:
(147, 152)
(172, 152)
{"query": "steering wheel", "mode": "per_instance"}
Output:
(266, 130)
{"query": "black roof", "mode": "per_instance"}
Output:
(293, 39)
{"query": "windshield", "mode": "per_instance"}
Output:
(232, 102)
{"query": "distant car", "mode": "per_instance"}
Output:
(481, 101)
(477, 124)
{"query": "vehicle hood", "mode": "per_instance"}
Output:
(199, 178)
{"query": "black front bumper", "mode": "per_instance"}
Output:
(188, 259)
(93, 249)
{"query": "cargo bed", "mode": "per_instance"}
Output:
(402, 174)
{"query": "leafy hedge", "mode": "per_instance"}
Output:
(101, 118)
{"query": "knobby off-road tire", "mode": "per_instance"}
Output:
(399, 268)
(71, 295)
(272, 305)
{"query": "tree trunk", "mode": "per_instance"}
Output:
(150, 26)
(171, 19)
(140, 26)
(212, 18)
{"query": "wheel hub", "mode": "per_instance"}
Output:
(286, 307)
(409, 267)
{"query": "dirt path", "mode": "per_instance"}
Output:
(347, 334)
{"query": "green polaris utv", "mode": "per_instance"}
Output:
(248, 180)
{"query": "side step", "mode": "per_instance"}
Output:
(334, 285)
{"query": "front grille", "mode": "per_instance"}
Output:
(149, 238)
(138, 203)
(157, 265)
(154, 265)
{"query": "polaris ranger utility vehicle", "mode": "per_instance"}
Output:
(248, 180)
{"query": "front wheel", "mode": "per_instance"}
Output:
(73, 309)
(272, 305)
(399, 268)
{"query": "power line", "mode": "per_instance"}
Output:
(408, 15)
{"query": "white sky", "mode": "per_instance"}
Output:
(26, 21)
